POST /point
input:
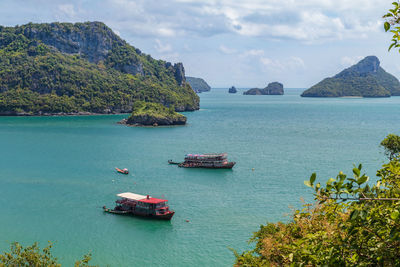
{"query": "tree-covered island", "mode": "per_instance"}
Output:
(83, 68)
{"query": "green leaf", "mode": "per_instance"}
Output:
(390, 47)
(307, 183)
(313, 177)
(354, 214)
(394, 215)
(356, 171)
(362, 180)
(387, 26)
(330, 181)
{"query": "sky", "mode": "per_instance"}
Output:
(245, 43)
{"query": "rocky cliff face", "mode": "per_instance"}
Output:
(180, 74)
(92, 40)
(365, 79)
(274, 88)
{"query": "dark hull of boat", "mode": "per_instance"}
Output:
(167, 216)
(229, 165)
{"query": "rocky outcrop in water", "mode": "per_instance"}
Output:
(364, 79)
(274, 88)
(232, 90)
(153, 114)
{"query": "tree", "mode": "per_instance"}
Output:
(391, 145)
(351, 224)
(33, 256)
(392, 24)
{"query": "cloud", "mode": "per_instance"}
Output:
(349, 61)
(67, 9)
(253, 53)
(227, 50)
(162, 48)
(279, 65)
(309, 21)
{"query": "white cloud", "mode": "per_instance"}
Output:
(67, 10)
(162, 48)
(279, 65)
(349, 61)
(227, 50)
(253, 53)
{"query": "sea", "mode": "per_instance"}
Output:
(56, 174)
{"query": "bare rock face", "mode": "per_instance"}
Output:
(274, 88)
(180, 73)
(92, 40)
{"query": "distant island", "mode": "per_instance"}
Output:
(232, 90)
(274, 88)
(83, 68)
(198, 84)
(364, 79)
(153, 114)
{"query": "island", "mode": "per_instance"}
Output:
(364, 79)
(153, 114)
(232, 90)
(198, 84)
(274, 88)
(83, 68)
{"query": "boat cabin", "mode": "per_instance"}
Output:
(140, 204)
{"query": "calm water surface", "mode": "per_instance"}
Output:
(57, 172)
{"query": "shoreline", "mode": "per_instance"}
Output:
(123, 122)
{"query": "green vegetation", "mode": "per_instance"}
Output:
(351, 224)
(392, 24)
(198, 84)
(391, 144)
(43, 71)
(366, 79)
(145, 113)
(33, 256)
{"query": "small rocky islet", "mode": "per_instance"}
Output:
(153, 114)
(274, 88)
(232, 90)
(364, 79)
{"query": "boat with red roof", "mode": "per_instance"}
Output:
(140, 205)
(211, 161)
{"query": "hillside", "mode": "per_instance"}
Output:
(366, 79)
(198, 84)
(82, 67)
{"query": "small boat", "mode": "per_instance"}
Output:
(139, 205)
(173, 162)
(211, 161)
(115, 211)
(123, 171)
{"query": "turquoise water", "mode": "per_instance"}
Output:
(57, 172)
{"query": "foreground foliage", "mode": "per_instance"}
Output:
(34, 256)
(351, 224)
(392, 24)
